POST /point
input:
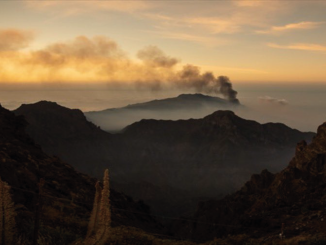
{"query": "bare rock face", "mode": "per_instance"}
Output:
(310, 157)
(67, 194)
(295, 197)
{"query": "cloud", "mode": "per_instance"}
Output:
(216, 25)
(205, 40)
(181, 24)
(68, 8)
(153, 56)
(246, 3)
(199, 22)
(14, 39)
(100, 59)
(202, 23)
(271, 100)
(240, 70)
(204, 26)
(300, 46)
(81, 59)
(83, 47)
(294, 26)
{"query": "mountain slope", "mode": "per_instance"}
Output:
(183, 106)
(221, 145)
(296, 197)
(202, 157)
(67, 194)
(67, 134)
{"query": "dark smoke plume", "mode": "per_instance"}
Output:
(226, 88)
(190, 77)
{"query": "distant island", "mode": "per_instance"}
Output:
(184, 106)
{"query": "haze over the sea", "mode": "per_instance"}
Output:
(300, 106)
(94, 55)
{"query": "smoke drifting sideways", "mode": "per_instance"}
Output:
(101, 60)
(12, 39)
(190, 77)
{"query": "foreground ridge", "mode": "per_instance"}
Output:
(291, 202)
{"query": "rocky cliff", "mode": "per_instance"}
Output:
(294, 199)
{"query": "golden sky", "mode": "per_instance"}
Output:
(157, 42)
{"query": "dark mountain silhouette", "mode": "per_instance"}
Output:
(220, 146)
(67, 194)
(67, 134)
(201, 157)
(183, 101)
(296, 197)
(184, 106)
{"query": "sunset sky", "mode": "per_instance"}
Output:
(159, 41)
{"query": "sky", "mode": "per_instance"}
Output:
(161, 43)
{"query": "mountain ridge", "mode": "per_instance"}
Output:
(184, 106)
(294, 197)
(67, 194)
(205, 157)
(189, 98)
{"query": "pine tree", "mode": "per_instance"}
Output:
(7, 215)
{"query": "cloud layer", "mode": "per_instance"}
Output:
(293, 26)
(13, 39)
(272, 100)
(101, 60)
(300, 46)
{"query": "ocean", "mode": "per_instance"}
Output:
(301, 106)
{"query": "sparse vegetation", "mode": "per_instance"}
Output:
(99, 227)
(7, 215)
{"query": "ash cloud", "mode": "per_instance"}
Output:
(81, 49)
(153, 56)
(271, 100)
(100, 60)
(154, 85)
(191, 77)
(14, 39)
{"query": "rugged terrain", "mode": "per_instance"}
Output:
(291, 202)
(204, 157)
(67, 134)
(67, 195)
(294, 197)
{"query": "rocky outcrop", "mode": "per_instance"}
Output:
(294, 197)
(67, 195)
